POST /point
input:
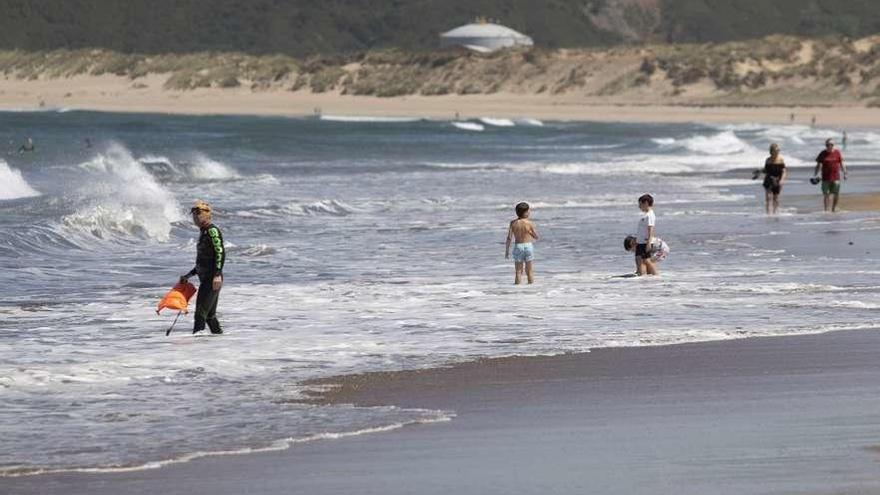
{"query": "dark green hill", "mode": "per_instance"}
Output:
(726, 20)
(300, 27)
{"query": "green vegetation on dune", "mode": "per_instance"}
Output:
(773, 70)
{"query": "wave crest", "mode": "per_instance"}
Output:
(199, 168)
(722, 143)
(12, 184)
(123, 199)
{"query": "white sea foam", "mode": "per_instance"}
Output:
(331, 207)
(528, 121)
(256, 250)
(198, 167)
(469, 126)
(278, 445)
(122, 198)
(723, 143)
(12, 184)
(205, 168)
(364, 119)
(645, 164)
(497, 122)
(597, 202)
(161, 159)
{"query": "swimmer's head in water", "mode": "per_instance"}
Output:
(629, 243)
(522, 209)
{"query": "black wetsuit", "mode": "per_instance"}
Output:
(210, 257)
(772, 176)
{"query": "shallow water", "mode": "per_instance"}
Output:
(358, 244)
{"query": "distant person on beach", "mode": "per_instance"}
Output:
(657, 250)
(645, 236)
(830, 161)
(774, 177)
(27, 146)
(843, 141)
(813, 121)
(210, 258)
(791, 118)
(522, 232)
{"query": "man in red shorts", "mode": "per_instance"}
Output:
(831, 162)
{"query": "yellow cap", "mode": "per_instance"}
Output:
(200, 205)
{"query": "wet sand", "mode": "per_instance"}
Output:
(860, 202)
(853, 202)
(778, 415)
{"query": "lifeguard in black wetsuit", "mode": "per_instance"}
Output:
(210, 257)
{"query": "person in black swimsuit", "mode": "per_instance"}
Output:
(774, 177)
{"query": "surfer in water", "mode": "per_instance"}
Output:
(210, 258)
(774, 176)
(27, 146)
(522, 232)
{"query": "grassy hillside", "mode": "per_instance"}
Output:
(778, 70)
(275, 26)
(301, 27)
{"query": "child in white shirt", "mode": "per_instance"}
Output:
(645, 237)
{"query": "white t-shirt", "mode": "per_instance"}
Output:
(647, 220)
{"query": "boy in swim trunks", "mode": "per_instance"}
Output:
(522, 232)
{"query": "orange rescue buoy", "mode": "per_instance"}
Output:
(178, 297)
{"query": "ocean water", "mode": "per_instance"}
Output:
(374, 244)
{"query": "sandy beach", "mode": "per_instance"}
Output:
(783, 415)
(120, 94)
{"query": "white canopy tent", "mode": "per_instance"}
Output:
(484, 37)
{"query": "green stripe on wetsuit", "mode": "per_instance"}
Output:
(218, 247)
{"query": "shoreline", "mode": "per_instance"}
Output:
(759, 396)
(117, 94)
(397, 387)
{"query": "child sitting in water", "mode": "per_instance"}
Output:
(523, 232)
(657, 251)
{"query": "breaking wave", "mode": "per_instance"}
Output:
(199, 168)
(331, 207)
(723, 143)
(123, 199)
(13, 185)
(469, 126)
(497, 122)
